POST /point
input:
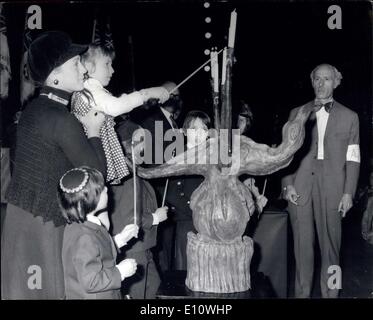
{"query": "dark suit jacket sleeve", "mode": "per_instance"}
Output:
(146, 213)
(90, 270)
(353, 167)
(288, 179)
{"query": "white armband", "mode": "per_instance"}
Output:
(353, 153)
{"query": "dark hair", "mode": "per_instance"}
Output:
(196, 114)
(76, 205)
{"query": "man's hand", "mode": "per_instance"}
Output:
(291, 195)
(345, 204)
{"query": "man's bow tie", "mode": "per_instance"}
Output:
(319, 105)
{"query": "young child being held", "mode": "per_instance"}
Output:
(98, 62)
(89, 252)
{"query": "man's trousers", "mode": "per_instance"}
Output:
(322, 211)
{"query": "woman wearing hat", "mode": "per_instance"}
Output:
(50, 141)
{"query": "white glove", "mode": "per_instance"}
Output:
(129, 231)
(250, 183)
(261, 202)
(127, 268)
(160, 215)
(155, 93)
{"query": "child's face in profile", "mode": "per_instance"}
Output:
(102, 203)
(102, 70)
(197, 132)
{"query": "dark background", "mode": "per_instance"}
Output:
(277, 46)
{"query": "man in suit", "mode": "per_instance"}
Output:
(321, 182)
(158, 121)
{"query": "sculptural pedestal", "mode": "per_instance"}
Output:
(219, 267)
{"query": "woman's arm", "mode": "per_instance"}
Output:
(79, 149)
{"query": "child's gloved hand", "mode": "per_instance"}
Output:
(261, 202)
(160, 215)
(129, 231)
(159, 93)
(127, 268)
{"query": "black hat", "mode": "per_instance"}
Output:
(50, 50)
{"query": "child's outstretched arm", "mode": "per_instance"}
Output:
(126, 102)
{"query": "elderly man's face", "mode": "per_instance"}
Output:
(323, 82)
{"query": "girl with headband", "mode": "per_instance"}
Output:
(89, 253)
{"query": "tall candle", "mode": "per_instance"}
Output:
(232, 29)
(216, 73)
(215, 70)
(134, 185)
(212, 63)
(224, 67)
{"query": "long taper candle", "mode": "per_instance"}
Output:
(164, 193)
(224, 66)
(212, 63)
(232, 29)
(216, 72)
(134, 186)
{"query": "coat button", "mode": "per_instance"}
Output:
(182, 194)
(312, 173)
(188, 202)
(179, 183)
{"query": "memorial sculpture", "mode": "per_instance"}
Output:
(218, 255)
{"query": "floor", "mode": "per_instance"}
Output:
(356, 262)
